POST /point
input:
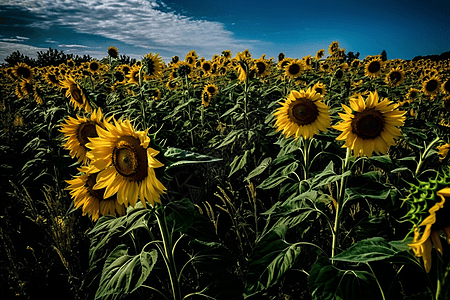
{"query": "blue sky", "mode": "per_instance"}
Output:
(404, 29)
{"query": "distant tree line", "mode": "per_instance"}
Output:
(53, 57)
(443, 56)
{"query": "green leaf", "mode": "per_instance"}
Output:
(177, 157)
(259, 169)
(181, 215)
(239, 162)
(123, 274)
(369, 250)
(269, 261)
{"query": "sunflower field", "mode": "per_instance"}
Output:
(322, 177)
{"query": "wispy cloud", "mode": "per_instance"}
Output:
(142, 23)
(7, 48)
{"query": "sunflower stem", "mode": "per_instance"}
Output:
(169, 257)
(339, 204)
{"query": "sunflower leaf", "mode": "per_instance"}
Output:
(123, 273)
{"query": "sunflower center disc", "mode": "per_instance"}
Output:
(368, 124)
(303, 111)
(130, 158)
(395, 77)
(261, 67)
(431, 85)
(294, 69)
(76, 94)
(374, 67)
(85, 131)
(24, 72)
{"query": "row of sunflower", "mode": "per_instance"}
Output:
(333, 113)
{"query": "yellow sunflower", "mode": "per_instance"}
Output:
(294, 68)
(77, 97)
(133, 75)
(302, 114)
(206, 98)
(77, 132)
(319, 54)
(325, 67)
(395, 77)
(52, 79)
(333, 48)
(113, 52)
(320, 88)
(373, 67)
(262, 67)
(412, 94)
(431, 86)
(370, 125)
(211, 89)
(152, 64)
(445, 87)
(435, 223)
(171, 85)
(94, 66)
(443, 151)
(206, 66)
(22, 70)
(92, 201)
(126, 164)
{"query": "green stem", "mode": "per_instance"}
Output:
(144, 119)
(169, 257)
(306, 150)
(378, 283)
(424, 154)
(339, 204)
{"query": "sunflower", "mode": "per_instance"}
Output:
(77, 97)
(94, 66)
(133, 75)
(113, 52)
(226, 54)
(22, 70)
(431, 86)
(18, 91)
(320, 88)
(412, 94)
(206, 66)
(435, 223)
(302, 114)
(443, 151)
(184, 69)
(152, 64)
(370, 125)
(92, 201)
(395, 77)
(156, 94)
(355, 63)
(319, 54)
(38, 94)
(77, 132)
(294, 68)
(307, 60)
(325, 67)
(171, 85)
(70, 63)
(262, 67)
(373, 67)
(126, 164)
(283, 63)
(26, 87)
(333, 48)
(206, 98)
(211, 89)
(445, 87)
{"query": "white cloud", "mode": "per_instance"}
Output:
(7, 48)
(72, 46)
(135, 22)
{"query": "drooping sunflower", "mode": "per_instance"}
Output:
(22, 70)
(38, 95)
(431, 86)
(325, 67)
(152, 65)
(113, 52)
(92, 201)
(395, 77)
(171, 85)
(294, 69)
(26, 87)
(77, 97)
(320, 88)
(77, 132)
(435, 223)
(370, 125)
(373, 67)
(126, 164)
(302, 114)
(133, 75)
